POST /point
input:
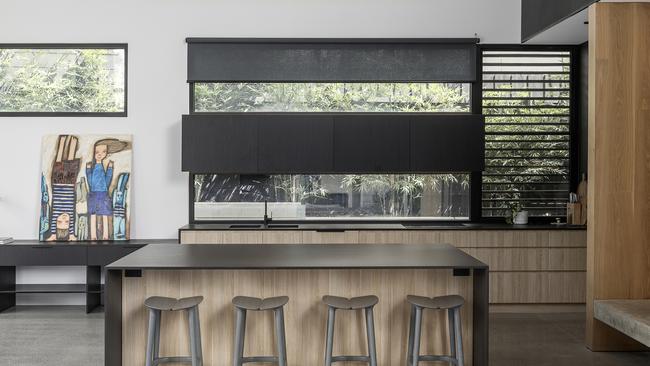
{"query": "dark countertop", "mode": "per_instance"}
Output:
(100, 243)
(379, 226)
(292, 256)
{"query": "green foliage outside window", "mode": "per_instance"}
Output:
(62, 80)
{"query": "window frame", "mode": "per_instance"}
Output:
(121, 46)
(574, 121)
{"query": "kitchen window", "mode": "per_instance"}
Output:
(332, 197)
(527, 103)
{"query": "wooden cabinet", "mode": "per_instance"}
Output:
(526, 266)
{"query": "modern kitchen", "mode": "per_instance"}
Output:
(382, 183)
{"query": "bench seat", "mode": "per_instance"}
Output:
(630, 317)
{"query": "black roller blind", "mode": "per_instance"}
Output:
(316, 60)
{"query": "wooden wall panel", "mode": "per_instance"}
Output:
(305, 314)
(618, 254)
(532, 254)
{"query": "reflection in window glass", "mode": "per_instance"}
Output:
(332, 97)
(66, 80)
(304, 197)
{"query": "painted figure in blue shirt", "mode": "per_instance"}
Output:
(99, 175)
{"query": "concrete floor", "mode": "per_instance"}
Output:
(37, 336)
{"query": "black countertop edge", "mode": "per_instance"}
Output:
(297, 257)
(99, 243)
(388, 226)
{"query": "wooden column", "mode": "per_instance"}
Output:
(618, 249)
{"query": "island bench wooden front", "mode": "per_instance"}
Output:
(305, 274)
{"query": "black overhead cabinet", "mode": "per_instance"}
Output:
(447, 144)
(292, 143)
(225, 143)
(371, 143)
(303, 143)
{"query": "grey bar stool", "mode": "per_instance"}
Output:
(156, 306)
(242, 305)
(452, 304)
(356, 303)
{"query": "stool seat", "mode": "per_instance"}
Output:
(171, 304)
(439, 302)
(255, 303)
(354, 303)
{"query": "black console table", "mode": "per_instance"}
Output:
(93, 255)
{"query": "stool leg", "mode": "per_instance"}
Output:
(280, 337)
(151, 338)
(370, 330)
(331, 312)
(240, 330)
(452, 332)
(409, 351)
(195, 336)
(156, 344)
(459, 338)
(416, 336)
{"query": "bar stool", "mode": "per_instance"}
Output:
(452, 304)
(243, 304)
(156, 306)
(356, 303)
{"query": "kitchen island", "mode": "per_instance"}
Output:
(305, 274)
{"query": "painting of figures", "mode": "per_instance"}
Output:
(85, 187)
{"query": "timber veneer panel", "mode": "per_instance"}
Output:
(221, 237)
(529, 259)
(537, 287)
(330, 237)
(305, 315)
(618, 254)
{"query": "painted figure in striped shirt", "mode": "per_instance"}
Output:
(65, 170)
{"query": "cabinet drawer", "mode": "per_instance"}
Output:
(42, 255)
(101, 256)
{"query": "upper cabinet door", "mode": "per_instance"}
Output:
(371, 143)
(297, 143)
(219, 143)
(448, 143)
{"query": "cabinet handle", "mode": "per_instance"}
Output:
(42, 247)
(330, 230)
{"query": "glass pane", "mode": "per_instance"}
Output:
(332, 97)
(305, 197)
(62, 80)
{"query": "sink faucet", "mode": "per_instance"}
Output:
(267, 218)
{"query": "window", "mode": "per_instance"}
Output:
(63, 80)
(331, 97)
(321, 197)
(527, 105)
(332, 197)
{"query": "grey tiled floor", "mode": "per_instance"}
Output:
(36, 336)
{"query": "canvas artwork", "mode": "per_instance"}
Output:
(85, 187)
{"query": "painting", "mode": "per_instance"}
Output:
(85, 183)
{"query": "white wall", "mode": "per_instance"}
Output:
(158, 94)
(157, 91)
